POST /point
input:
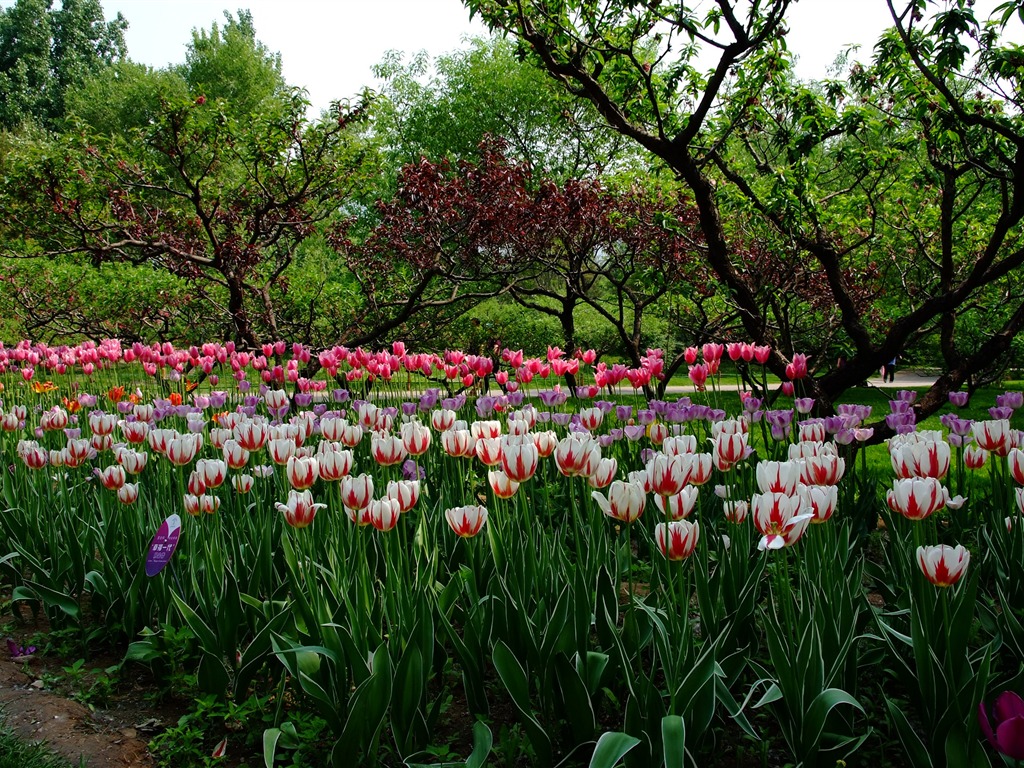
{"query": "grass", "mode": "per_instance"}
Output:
(17, 753)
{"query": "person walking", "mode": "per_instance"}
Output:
(889, 371)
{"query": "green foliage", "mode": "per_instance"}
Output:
(445, 108)
(47, 53)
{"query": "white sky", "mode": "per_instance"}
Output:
(329, 46)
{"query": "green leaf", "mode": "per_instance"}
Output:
(482, 742)
(611, 748)
(673, 741)
(513, 677)
(912, 744)
(270, 738)
(49, 597)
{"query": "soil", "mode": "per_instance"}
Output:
(98, 738)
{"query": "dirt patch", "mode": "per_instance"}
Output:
(97, 738)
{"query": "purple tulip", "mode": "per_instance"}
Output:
(645, 416)
(802, 404)
(958, 399)
(906, 395)
(1005, 729)
(899, 406)
(1012, 400)
(1000, 412)
(623, 412)
(515, 399)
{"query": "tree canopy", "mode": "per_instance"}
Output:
(47, 53)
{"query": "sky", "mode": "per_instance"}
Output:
(329, 46)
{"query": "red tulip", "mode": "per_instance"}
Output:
(299, 510)
(466, 521)
(625, 501)
(943, 565)
(681, 539)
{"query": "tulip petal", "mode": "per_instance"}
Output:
(1010, 738)
(1007, 705)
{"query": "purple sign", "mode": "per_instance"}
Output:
(163, 545)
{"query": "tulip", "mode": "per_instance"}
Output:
(112, 477)
(546, 443)
(102, 423)
(302, 472)
(405, 492)
(681, 539)
(196, 485)
(281, 449)
(729, 448)
(1005, 729)
(384, 514)
(242, 483)
(235, 456)
(442, 420)
(974, 457)
(208, 504)
(1015, 459)
(1019, 498)
(252, 435)
(669, 474)
(356, 492)
(777, 476)
(679, 506)
(415, 438)
(182, 449)
(575, 454)
(128, 493)
(466, 521)
(994, 436)
(781, 519)
(736, 511)
(820, 499)
(519, 459)
(299, 510)
(591, 418)
(486, 429)
(624, 502)
(488, 451)
(916, 498)
(334, 465)
(458, 443)
(213, 471)
(387, 450)
(824, 469)
(943, 565)
(603, 473)
(132, 461)
(501, 484)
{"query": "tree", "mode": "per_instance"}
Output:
(222, 202)
(818, 171)
(445, 108)
(45, 54)
(552, 247)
